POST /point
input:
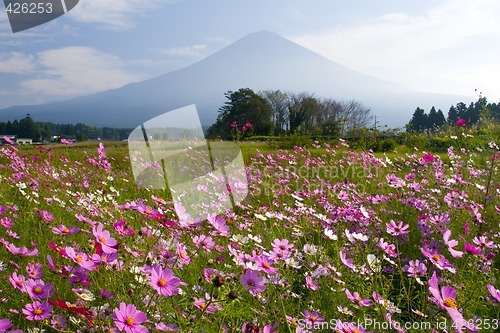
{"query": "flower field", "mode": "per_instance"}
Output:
(329, 239)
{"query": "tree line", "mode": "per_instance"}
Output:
(471, 114)
(40, 131)
(275, 112)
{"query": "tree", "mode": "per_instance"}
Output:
(28, 128)
(419, 121)
(279, 102)
(243, 106)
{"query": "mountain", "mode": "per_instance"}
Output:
(260, 61)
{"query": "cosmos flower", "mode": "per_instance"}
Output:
(446, 299)
(104, 238)
(163, 281)
(37, 310)
(37, 289)
(63, 230)
(356, 298)
(438, 260)
(21, 250)
(127, 318)
(494, 292)
(252, 282)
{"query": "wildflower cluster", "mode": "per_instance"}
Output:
(413, 239)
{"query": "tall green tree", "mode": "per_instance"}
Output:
(419, 121)
(243, 106)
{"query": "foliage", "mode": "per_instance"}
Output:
(243, 106)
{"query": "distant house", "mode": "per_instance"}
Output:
(24, 141)
(8, 136)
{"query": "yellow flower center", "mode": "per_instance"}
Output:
(148, 211)
(19, 283)
(130, 321)
(66, 230)
(451, 303)
(37, 311)
(436, 257)
(356, 331)
(313, 318)
(183, 255)
(162, 283)
(102, 240)
(79, 259)
(38, 290)
(266, 265)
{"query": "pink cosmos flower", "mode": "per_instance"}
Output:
(121, 228)
(182, 253)
(356, 298)
(494, 292)
(163, 281)
(471, 249)
(311, 284)
(127, 318)
(37, 310)
(80, 258)
(34, 270)
(204, 304)
(63, 230)
(8, 140)
(37, 289)
(21, 250)
(451, 244)
(312, 318)
(204, 242)
(219, 225)
(5, 324)
(264, 264)
(6, 222)
(17, 281)
(461, 122)
(347, 261)
(427, 158)
(447, 301)
(252, 282)
(104, 238)
(397, 229)
(438, 260)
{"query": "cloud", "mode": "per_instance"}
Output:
(114, 14)
(395, 42)
(15, 62)
(77, 70)
(193, 51)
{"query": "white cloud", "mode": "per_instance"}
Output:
(15, 62)
(389, 45)
(77, 70)
(114, 14)
(193, 51)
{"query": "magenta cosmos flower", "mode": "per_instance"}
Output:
(38, 289)
(37, 310)
(63, 230)
(21, 250)
(128, 319)
(252, 282)
(104, 238)
(461, 122)
(494, 292)
(356, 298)
(5, 324)
(447, 300)
(163, 281)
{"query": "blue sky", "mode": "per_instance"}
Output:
(448, 46)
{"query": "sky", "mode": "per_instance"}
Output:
(442, 46)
